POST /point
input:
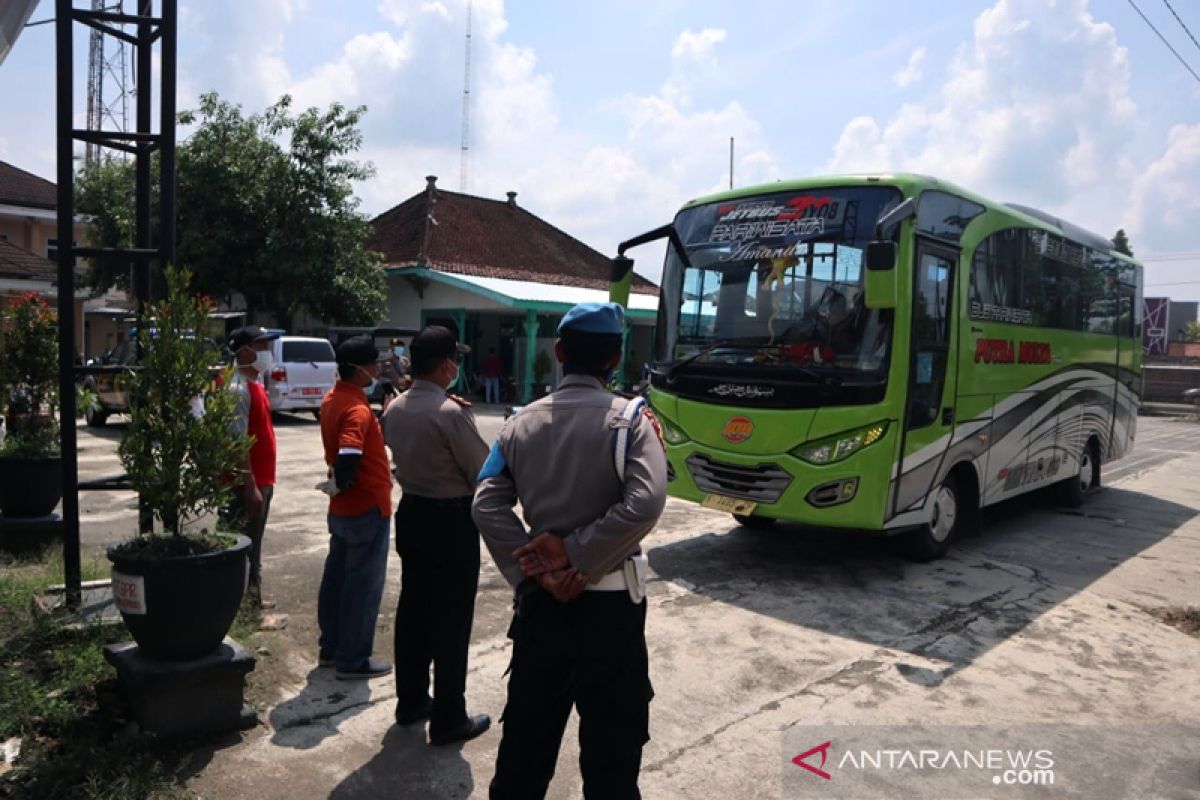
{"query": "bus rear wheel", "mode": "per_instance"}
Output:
(1074, 490)
(750, 521)
(932, 540)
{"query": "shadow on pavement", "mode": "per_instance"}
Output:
(406, 767)
(315, 713)
(297, 419)
(1027, 559)
(112, 430)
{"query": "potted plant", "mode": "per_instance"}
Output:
(179, 592)
(30, 466)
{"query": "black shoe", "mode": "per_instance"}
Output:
(466, 730)
(372, 669)
(417, 714)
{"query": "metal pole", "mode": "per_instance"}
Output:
(141, 268)
(730, 162)
(166, 185)
(72, 573)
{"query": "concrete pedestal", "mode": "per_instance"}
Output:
(175, 698)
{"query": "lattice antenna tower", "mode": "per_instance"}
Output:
(465, 154)
(108, 82)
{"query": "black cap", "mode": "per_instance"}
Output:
(358, 350)
(435, 342)
(249, 335)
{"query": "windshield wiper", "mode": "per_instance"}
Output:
(810, 373)
(703, 351)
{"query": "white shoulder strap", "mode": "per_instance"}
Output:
(621, 447)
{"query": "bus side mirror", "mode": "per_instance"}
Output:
(881, 275)
(620, 280)
(881, 256)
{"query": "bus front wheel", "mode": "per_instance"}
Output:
(750, 521)
(932, 540)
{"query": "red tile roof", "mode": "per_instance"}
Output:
(468, 235)
(21, 188)
(17, 262)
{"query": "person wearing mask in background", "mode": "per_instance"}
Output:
(247, 511)
(493, 368)
(360, 504)
(395, 371)
(438, 453)
(590, 472)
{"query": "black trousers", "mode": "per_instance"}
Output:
(238, 521)
(438, 545)
(590, 654)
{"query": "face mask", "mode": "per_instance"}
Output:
(263, 361)
(369, 389)
(398, 350)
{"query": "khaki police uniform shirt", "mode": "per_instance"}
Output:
(434, 442)
(556, 458)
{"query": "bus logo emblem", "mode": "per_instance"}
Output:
(738, 429)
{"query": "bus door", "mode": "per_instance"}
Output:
(929, 417)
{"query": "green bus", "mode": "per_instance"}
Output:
(887, 352)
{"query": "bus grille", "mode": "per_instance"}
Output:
(762, 483)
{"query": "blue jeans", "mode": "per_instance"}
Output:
(352, 586)
(491, 390)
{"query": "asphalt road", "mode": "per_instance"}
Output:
(760, 640)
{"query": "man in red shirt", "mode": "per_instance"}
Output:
(493, 368)
(247, 512)
(360, 516)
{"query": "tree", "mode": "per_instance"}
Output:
(265, 209)
(1121, 243)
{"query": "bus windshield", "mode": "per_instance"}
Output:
(776, 282)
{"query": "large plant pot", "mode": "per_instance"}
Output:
(29, 487)
(180, 608)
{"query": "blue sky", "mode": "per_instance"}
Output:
(605, 117)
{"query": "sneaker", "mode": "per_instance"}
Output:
(468, 729)
(409, 716)
(372, 669)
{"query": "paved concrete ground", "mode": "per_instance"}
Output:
(1040, 619)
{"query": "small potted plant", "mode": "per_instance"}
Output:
(179, 592)
(30, 465)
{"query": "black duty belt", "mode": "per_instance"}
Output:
(439, 502)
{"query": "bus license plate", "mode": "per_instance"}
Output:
(732, 505)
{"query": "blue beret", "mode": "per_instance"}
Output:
(594, 318)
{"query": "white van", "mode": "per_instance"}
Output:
(304, 369)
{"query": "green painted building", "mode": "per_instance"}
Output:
(502, 277)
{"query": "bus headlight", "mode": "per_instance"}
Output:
(838, 447)
(671, 433)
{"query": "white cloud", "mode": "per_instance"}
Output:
(360, 75)
(1165, 204)
(409, 72)
(241, 48)
(911, 72)
(693, 58)
(697, 45)
(1036, 108)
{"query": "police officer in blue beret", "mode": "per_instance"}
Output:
(589, 470)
